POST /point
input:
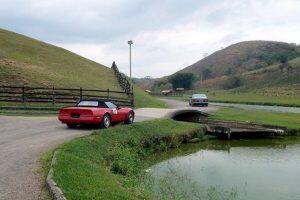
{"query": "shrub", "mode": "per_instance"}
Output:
(182, 80)
(232, 82)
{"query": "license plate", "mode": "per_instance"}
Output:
(74, 115)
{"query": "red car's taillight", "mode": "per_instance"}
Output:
(86, 112)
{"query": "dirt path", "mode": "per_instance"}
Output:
(24, 139)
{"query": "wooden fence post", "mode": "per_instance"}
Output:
(23, 94)
(132, 100)
(108, 94)
(80, 94)
(53, 99)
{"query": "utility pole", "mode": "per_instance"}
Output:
(130, 42)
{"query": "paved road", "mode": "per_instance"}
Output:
(260, 107)
(175, 105)
(24, 139)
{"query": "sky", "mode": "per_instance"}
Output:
(168, 35)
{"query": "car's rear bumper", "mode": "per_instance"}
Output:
(80, 120)
(199, 104)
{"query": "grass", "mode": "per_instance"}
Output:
(44, 167)
(108, 164)
(144, 100)
(30, 109)
(26, 61)
(28, 113)
(289, 120)
(254, 98)
(257, 98)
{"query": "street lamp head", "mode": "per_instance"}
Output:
(130, 42)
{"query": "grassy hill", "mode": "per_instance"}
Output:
(246, 72)
(26, 61)
(269, 78)
(242, 57)
(259, 58)
(269, 86)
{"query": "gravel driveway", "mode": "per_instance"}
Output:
(24, 139)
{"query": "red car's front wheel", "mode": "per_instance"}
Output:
(130, 118)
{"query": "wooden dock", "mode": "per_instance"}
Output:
(236, 130)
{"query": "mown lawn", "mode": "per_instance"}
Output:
(289, 120)
(144, 100)
(247, 98)
(109, 163)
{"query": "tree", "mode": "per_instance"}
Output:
(207, 73)
(161, 85)
(283, 62)
(233, 82)
(229, 71)
(182, 80)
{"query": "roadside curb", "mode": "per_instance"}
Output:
(54, 190)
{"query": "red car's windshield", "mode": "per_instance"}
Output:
(91, 104)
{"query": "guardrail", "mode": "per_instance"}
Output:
(54, 95)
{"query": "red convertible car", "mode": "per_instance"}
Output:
(95, 112)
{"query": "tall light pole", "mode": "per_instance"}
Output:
(130, 42)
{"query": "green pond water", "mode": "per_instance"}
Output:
(241, 169)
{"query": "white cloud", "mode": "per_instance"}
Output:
(168, 35)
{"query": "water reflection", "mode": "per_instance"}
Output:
(244, 169)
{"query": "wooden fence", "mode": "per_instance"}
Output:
(123, 81)
(60, 95)
(173, 94)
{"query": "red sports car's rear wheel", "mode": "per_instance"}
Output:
(106, 121)
(130, 118)
(71, 125)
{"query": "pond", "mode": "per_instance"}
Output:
(241, 169)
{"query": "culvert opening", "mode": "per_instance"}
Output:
(189, 115)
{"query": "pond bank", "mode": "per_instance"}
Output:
(110, 163)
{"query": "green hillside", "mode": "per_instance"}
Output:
(26, 61)
(269, 78)
(256, 62)
(243, 57)
(256, 72)
(269, 86)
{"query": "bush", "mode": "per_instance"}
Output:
(230, 71)
(207, 74)
(232, 82)
(125, 160)
(182, 80)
